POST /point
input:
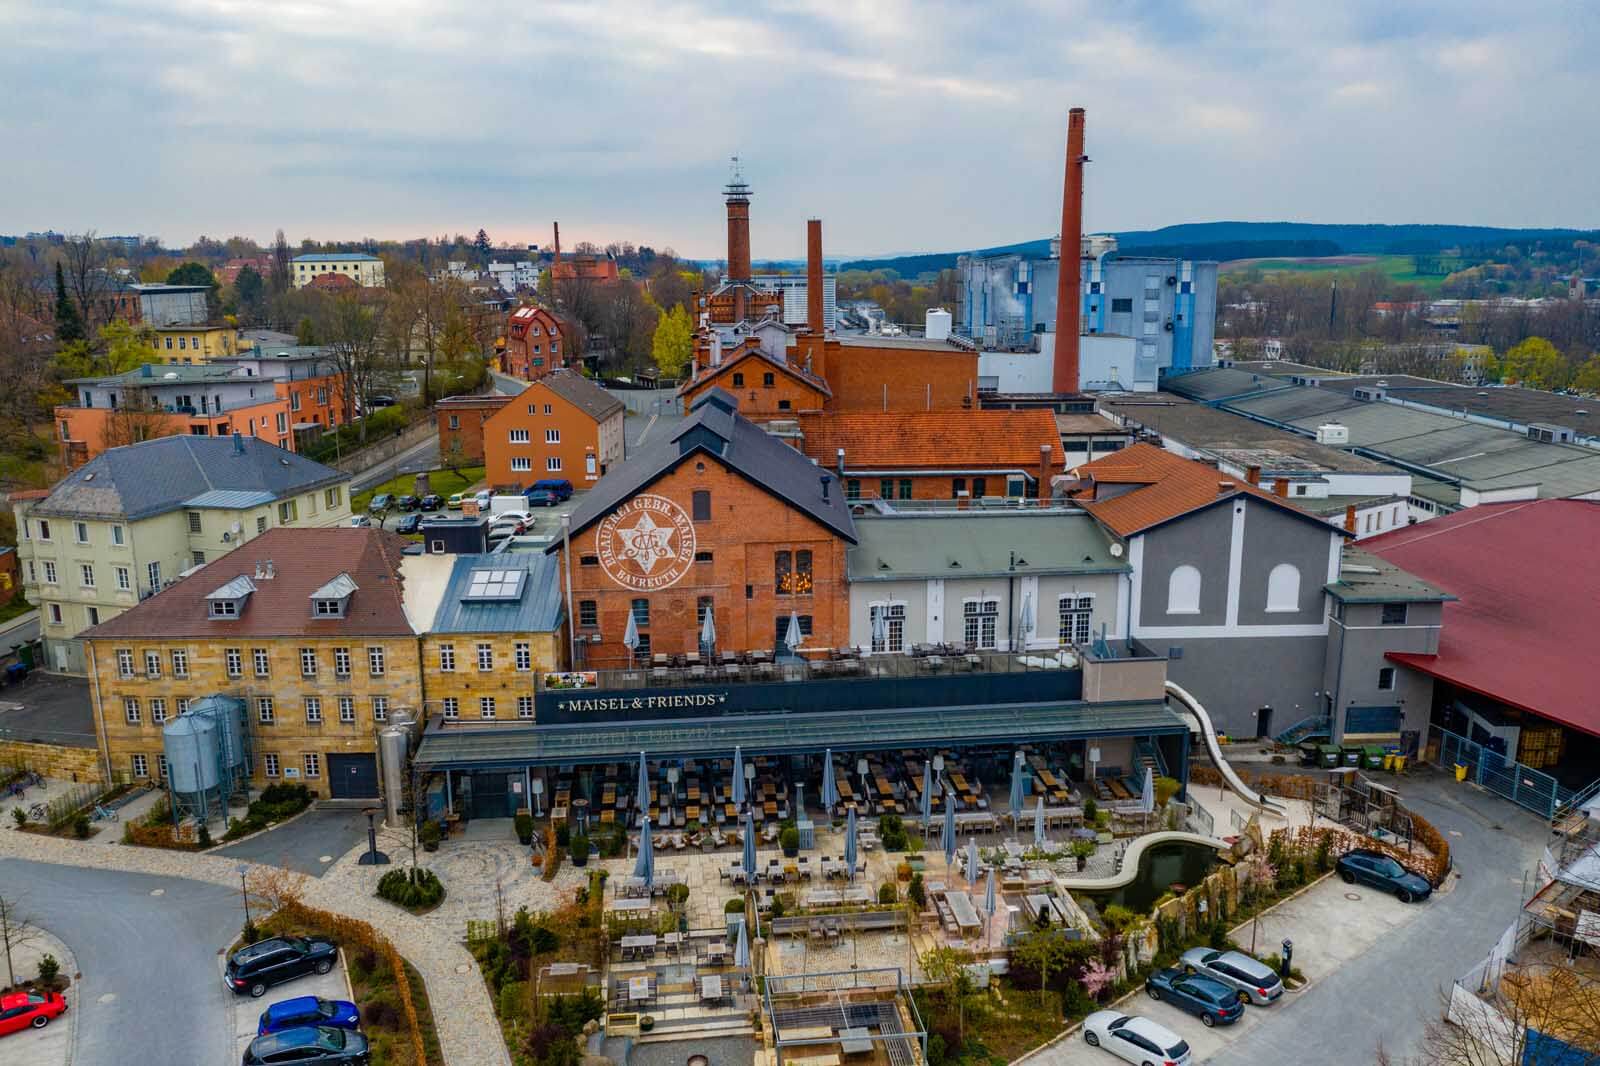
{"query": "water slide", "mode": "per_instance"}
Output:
(1248, 794)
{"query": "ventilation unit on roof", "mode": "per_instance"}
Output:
(1548, 434)
(1367, 393)
(1333, 433)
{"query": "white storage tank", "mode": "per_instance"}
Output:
(190, 744)
(938, 324)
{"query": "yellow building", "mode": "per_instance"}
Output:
(364, 270)
(306, 626)
(195, 344)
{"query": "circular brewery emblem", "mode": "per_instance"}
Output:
(646, 544)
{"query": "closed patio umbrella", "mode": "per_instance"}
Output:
(927, 796)
(1016, 787)
(850, 845)
(630, 637)
(741, 950)
(948, 841)
(645, 866)
(1147, 798)
(644, 786)
(988, 896)
(830, 790)
(1038, 824)
(972, 860)
(792, 636)
(1028, 620)
(880, 630)
(708, 632)
(738, 778)
(749, 859)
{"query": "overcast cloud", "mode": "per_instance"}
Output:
(905, 126)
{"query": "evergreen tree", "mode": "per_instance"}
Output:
(69, 322)
(481, 243)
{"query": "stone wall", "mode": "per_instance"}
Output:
(53, 760)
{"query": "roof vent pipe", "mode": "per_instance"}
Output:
(841, 461)
(238, 443)
(825, 480)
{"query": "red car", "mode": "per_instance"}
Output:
(20, 1010)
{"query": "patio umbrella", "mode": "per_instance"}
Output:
(645, 866)
(738, 778)
(749, 859)
(850, 845)
(708, 632)
(972, 860)
(1038, 823)
(830, 791)
(644, 785)
(988, 896)
(1028, 620)
(741, 950)
(791, 636)
(630, 637)
(1147, 798)
(880, 630)
(1016, 787)
(799, 801)
(927, 795)
(948, 841)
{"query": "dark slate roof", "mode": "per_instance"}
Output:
(582, 393)
(715, 428)
(537, 610)
(156, 476)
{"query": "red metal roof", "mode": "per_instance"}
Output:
(935, 440)
(1528, 588)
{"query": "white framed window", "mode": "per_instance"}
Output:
(485, 706)
(161, 766)
(380, 708)
(347, 708)
(80, 532)
(308, 662)
(194, 522)
(375, 661)
(447, 658)
(130, 710)
(180, 662)
(44, 530)
(524, 655)
(1386, 679)
(158, 710)
(979, 621)
(451, 707)
(521, 463)
(86, 575)
(341, 662)
(124, 662)
(124, 579)
(152, 572)
(235, 662)
(520, 436)
(1283, 588)
(893, 626)
(548, 409)
(1183, 590)
(49, 572)
(258, 656)
(55, 614)
(552, 463)
(141, 766)
(183, 705)
(270, 763)
(552, 436)
(485, 658)
(93, 614)
(152, 664)
(313, 708)
(117, 536)
(312, 763)
(525, 707)
(265, 713)
(1072, 616)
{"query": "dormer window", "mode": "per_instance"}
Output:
(228, 601)
(224, 608)
(328, 608)
(333, 599)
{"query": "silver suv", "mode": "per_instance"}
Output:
(1253, 979)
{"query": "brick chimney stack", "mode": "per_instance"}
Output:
(1069, 283)
(1046, 471)
(814, 316)
(558, 241)
(737, 195)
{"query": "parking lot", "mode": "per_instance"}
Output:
(1330, 924)
(546, 520)
(246, 1012)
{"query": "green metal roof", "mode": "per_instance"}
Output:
(980, 544)
(1367, 578)
(470, 746)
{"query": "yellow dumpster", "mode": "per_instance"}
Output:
(1461, 772)
(1388, 762)
(1399, 764)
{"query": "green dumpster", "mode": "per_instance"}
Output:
(1351, 755)
(1372, 757)
(1330, 755)
(1310, 750)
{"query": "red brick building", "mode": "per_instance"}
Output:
(719, 517)
(461, 421)
(536, 344)
(561, 426)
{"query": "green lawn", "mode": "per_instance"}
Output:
(1400, 269)
(18, 606)
(444, 482)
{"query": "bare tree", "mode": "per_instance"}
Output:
(25, 346)
(16, 929)
(89, 282)
(280, 264)
(1556, 1000)
(353, 329)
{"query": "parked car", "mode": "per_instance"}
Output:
(302, 1011)
(1252, 979)
(548, 492)
(454, 503)
(1135, 1039)
(431, 502)
(525, 517)
(321, 1045)
(257, 967)
(29, 1010)
(360, 521)
(507, 526)
(1213, 1002)
(380, 503)
(407, 503)
(483, 496)
(1362, 867)
(411, 523)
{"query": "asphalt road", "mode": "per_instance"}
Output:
(325, 832)
(48, 709)
(151, 989)
(419, 457)
(1389, 993)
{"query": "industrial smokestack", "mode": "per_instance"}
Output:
(558, 241)
(737, 195)
(1069, 284)
(814, 276)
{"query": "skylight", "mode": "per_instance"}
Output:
(495, 585)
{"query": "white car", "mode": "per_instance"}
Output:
(1135, 1039)
(525, 517)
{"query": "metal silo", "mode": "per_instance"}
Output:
(193, 765)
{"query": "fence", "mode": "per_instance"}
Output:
(1522, 785)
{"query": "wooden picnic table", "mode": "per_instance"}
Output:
(770, 808)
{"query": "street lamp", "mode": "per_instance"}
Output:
(244, 892)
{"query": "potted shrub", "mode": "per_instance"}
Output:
(789, 839)
(646, 1023)
(1081, 850)
(887, 893)
(428, 835)
(579, 849)
(523, 823)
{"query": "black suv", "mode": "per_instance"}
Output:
(259, 966)
(321, 1045)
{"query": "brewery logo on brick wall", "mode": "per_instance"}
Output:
(647, 544)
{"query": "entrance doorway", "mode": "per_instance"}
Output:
(353, 776)
(1264, 722)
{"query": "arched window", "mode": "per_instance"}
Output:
(1283, 588)
(1183, 591)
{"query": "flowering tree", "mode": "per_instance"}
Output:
(1097, 978)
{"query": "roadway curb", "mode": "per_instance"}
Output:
(213, 849)
(69, 965)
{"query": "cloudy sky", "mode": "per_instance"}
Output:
(906, 126)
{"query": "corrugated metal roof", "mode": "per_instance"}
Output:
(336, 257)
(229, 499)
(1219, 382)
(538, 609)
(976, 544)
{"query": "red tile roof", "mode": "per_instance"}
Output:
(1528, 588)
(752, 350)
(934, 440)
(1172, 486)
(303, 561)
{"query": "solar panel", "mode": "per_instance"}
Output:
(495, 585)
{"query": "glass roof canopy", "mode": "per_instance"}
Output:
(461, 747)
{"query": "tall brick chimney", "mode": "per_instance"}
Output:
(1069, 284)
(1046, 471)
(737, 195)
(814, 317)
(558, 241)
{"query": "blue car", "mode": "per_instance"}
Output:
(1362, 867)
(1213, 1002)
(411, 523)
(308, 1011)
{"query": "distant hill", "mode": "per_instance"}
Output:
(1255, 240)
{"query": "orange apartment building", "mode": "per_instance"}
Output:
(561, 426)
(461, 421)
(535, 344)
(719, 517)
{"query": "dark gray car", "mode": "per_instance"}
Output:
(1251, 978)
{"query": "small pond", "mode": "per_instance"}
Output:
(1174, 862)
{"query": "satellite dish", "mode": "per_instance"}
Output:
(1116, 551)
(235, 529)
